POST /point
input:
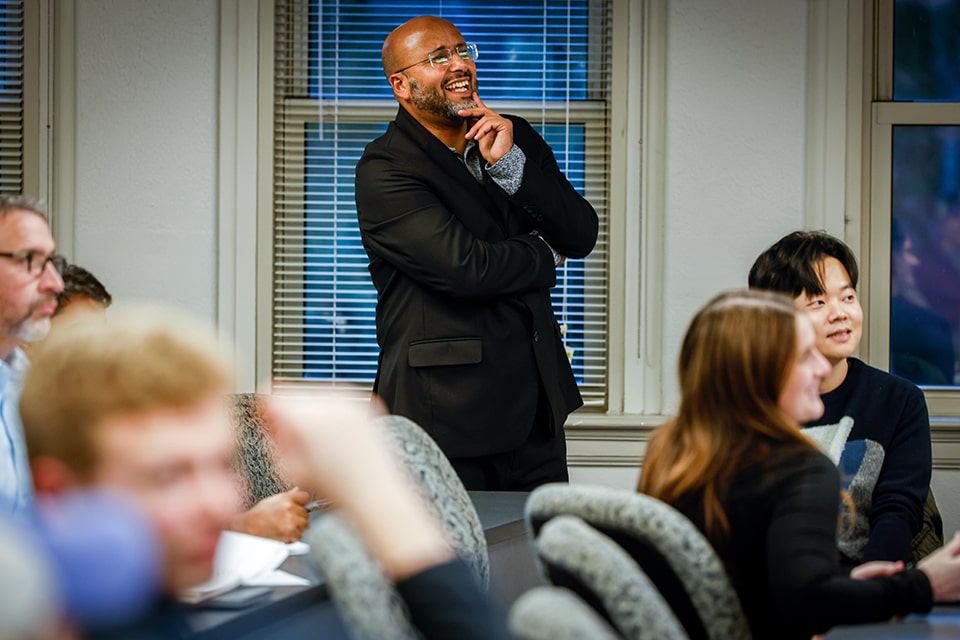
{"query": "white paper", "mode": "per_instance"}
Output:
(278, 578)
(298, 548)
(240, 558)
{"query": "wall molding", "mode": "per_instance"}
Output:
(609, 441)
(621, 441)
(237, 186)
(945, 437)
(61, 189)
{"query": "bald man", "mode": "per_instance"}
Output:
(465, 217)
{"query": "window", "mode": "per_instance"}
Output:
(548, 61)
(914, 225)
(11, 95)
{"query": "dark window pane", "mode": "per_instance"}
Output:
(926, 51)
(925, 254)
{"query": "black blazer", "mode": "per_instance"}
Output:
(466, 331)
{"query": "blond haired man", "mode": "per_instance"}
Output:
(137, 403)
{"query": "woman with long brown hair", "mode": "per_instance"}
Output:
(735, 462)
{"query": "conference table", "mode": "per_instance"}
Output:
(306, 611)
(939, 624)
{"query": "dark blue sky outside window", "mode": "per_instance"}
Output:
(926, 51)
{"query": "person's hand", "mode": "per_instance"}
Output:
(876, 569)
(281, 517)
(943, 570)
(492, 132)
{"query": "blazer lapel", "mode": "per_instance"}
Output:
(487, 194)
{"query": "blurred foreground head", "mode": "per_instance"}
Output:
(137, 403)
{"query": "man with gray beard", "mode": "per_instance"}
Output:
(30, 279)
(465, 216)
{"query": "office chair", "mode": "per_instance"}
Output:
(555, 613)
(443, 491)
(676, 557)
(576, 556)
(367, 601)
(257, 464)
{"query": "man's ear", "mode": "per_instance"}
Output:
(400, 85)
(51, 476)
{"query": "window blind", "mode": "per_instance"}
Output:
(548, 61)
(11, 96)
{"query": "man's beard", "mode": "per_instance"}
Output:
(433, 101)
(27, 328)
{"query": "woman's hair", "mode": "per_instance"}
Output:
(734, 362)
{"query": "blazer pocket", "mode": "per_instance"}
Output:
(445, 352)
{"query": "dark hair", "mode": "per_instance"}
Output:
(793, 265)
(80, 283)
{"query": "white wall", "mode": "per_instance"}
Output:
(146, 140)
(735, 148)
(946, 488)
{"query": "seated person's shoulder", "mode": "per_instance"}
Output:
(885, 387)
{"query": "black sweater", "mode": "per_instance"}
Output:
(781, 552)
(887, 451)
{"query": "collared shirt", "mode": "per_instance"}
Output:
(16, 484)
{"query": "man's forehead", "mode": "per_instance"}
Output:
(166, 437)
(22, 230)
(430, 35)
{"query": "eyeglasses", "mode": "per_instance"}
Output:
(441, 57)
(36, 262)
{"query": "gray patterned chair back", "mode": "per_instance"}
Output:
(368, 603)
(443, 491)
(665, 544)
(366, 599)
(258, 470)
(576, 556)
(555, 613)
